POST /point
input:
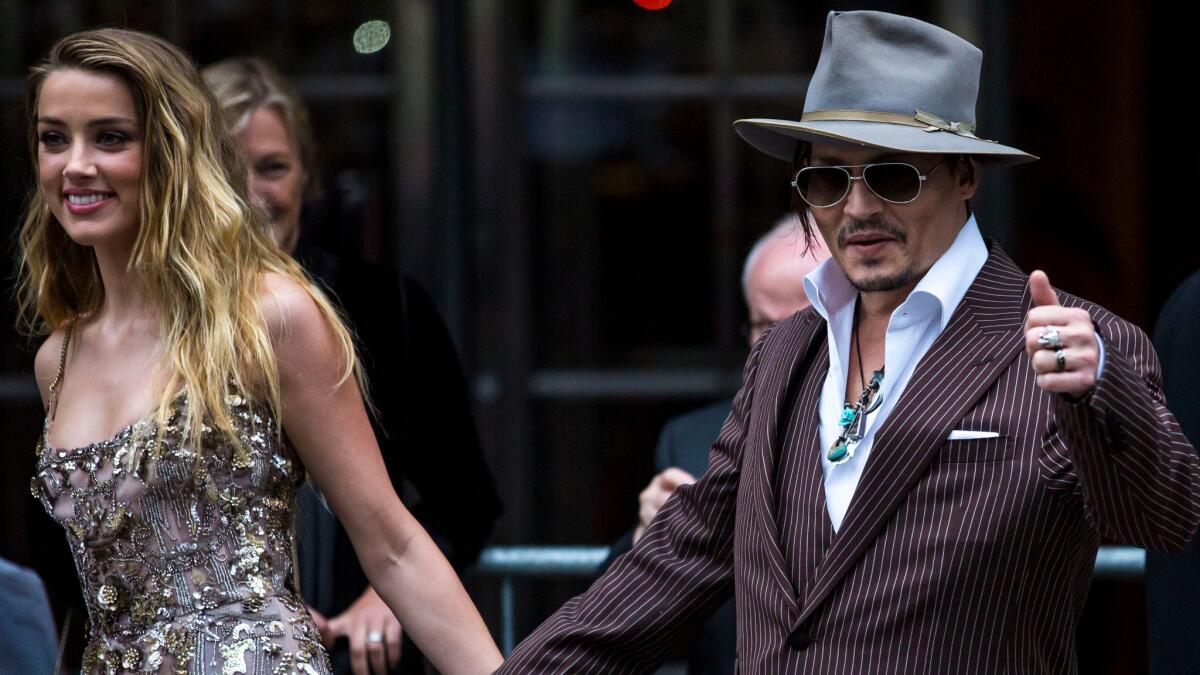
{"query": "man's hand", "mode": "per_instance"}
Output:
(1061, 342)
(655, 495)
(373, 632)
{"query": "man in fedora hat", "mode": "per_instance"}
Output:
(918, 470)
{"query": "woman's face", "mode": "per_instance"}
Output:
(89, 155)
(276, 174)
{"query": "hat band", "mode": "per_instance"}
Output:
(927, 121)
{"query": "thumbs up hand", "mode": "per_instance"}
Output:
(1061, 342)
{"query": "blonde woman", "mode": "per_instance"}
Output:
(419, 392)
(213, 374)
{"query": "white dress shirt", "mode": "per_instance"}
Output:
(913, 327)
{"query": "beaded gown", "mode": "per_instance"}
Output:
(186, 567)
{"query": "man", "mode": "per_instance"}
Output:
(918, 470)
(1173, 580)
(27, 631)
(773, 287)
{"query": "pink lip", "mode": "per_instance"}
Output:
(86, 209)
(868, 244)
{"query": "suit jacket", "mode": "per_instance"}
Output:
(684, 442)
(954, 556)
(1173, 579)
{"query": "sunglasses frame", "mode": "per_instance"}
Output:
(921, 177)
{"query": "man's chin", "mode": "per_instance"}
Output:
(882, 282)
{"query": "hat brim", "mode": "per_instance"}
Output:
(778, 138)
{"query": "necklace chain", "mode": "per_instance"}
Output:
(854, 415)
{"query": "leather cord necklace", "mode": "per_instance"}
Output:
(854, 415)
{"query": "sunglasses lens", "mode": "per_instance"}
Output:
(822, 186)
(900, 183)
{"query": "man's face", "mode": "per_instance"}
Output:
(886, 247)
(775, 285)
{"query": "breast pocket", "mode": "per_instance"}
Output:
(995, 449)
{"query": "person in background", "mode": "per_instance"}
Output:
(773, 288)
(27, 630)
(408, 357)
(1173, 579)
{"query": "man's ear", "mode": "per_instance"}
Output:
(966, 173)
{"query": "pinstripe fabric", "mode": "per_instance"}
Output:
(965, 556)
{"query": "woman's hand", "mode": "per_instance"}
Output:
(373, 632)
(324, 418)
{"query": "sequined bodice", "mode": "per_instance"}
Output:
(186, 565)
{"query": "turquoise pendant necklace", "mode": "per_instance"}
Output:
(854, 415)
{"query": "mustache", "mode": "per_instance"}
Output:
(877, 224)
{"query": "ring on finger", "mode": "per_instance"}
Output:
(1050, 338)
(375, 636)
(1061, 358)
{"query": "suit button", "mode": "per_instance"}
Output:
(799, 640)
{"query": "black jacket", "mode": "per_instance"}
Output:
(1173, 579)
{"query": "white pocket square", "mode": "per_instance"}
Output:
(965, 435)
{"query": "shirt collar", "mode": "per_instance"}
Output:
(947, 280)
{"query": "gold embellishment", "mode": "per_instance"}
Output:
(131, 659)
(192, 554)
(92, 656)
(108, 597)
(141, 609)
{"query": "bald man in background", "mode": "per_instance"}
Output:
(773, 287)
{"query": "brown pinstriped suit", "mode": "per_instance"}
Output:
(964, 556)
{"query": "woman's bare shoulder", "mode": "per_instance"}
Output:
(295, 321)
(285, 303)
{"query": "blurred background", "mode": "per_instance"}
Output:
(563, 177)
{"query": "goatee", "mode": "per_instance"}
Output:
(877, 224)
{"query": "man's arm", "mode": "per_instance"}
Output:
(658, 594)
(1138, 475)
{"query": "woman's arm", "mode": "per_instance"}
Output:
(327, 424)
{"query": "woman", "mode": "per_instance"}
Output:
(161, 292)
(419, 391)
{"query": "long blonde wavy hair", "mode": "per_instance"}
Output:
(201, 250)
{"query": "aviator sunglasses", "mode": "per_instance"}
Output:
(824, 186)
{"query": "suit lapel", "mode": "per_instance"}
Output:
(978, 343)
(793, 348)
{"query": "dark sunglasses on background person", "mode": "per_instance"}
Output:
(823, 186)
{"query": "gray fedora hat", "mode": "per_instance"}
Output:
(889, 82)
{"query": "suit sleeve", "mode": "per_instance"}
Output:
(657, 595)
(1138, 475)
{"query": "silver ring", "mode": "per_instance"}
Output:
(1050, 338)
(375, 637)
(1061, 358)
